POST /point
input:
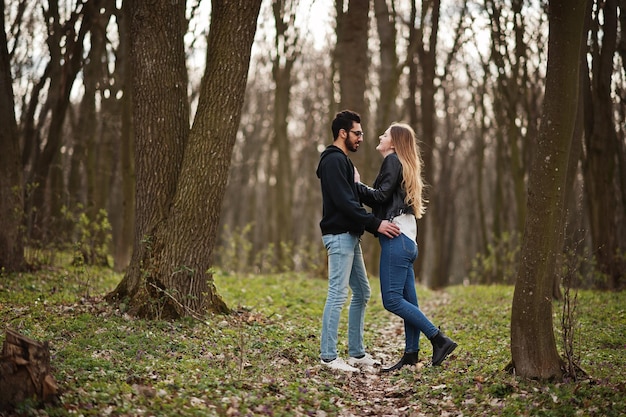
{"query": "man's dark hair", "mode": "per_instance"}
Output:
(343, 120)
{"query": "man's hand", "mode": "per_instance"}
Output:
(388, 229)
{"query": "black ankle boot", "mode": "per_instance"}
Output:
(409, 358)
(442, 347)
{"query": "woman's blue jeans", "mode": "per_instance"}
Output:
(345, 269)
(397, 285)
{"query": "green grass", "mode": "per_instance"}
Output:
(263, 360)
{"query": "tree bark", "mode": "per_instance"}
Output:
(427, 54)
(352, 53)
(533, 347)
(390, 69)
(281, 188)
(600, 165)
(25, 371)
(11, 186)
(92, 131)
(353, 62)
(182, 173)
(123, 222)
(428, 63)
(480, 147)
(66, 49)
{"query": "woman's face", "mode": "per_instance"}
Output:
(384, 146)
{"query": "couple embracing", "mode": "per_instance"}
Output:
(396, 202)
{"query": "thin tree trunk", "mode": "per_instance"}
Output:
(11, 186)
(427, 50)
(390, 69)
(600, 165)
(66, 50)
(483, 237)
(123, 236)
(286, 44)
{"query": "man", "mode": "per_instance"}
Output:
(343, 222)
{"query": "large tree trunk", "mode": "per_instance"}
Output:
(11, 187)
(161, 116)
(533, 347)
(181, 174)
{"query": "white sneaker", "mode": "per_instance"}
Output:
(339, 365)
(366, 360)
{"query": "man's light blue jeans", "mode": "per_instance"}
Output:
(345, 269)
(397, 286)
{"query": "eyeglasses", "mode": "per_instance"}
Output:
(358, 133)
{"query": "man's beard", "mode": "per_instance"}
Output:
(352, 146)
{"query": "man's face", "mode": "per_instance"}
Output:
(354, 137)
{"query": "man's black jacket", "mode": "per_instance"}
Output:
(341, 209)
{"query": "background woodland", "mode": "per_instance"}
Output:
(469, 76)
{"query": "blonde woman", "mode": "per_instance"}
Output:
(396, 195)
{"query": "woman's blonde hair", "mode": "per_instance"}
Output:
(404, 141)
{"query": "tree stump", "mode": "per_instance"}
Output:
(25, 371)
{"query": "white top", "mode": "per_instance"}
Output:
(407, 224)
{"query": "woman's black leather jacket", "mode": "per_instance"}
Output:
(386, 196)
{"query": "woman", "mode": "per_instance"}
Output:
(397, 195)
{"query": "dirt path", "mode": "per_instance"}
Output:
(379, 394)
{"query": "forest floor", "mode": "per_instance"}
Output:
(263, 360)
